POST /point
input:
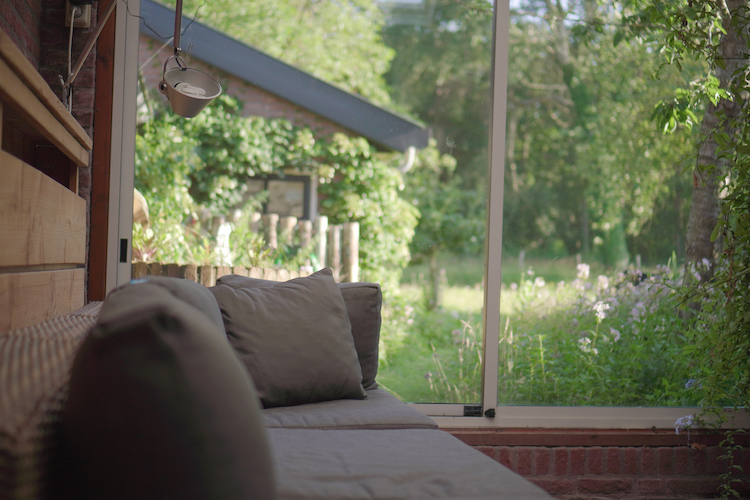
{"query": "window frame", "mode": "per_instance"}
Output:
(445, 415)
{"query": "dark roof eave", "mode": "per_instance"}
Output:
(350, 111)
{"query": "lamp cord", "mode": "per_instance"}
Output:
(69, 97)
(195, 16)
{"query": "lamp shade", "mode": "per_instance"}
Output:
(189, 90)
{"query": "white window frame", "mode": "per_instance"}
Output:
(122, 155)
(446, 415)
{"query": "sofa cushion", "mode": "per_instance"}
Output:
(160, 407)
(363, 303)
(295, 339)
(191, 292)
(380, 410)
(390, 464)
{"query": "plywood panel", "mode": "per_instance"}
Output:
(24, 69)
(30, 298)
(15, 93)
(42, 222)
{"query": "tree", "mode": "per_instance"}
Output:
(451, 216)
(441, 74)
(338, 42)
(586, 171)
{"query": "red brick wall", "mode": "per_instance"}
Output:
(614, 464)
(20, 19)
(257, 102)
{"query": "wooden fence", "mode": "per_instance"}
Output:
(336, 247)
(207, 275)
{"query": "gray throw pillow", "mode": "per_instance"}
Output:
(363, 303)
(191, 292)
(160, 407)
(295, 339)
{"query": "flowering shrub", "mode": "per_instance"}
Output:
(592, 341)
(608, 341)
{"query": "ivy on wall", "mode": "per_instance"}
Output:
(191, 170)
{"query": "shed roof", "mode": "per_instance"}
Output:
(379, 125)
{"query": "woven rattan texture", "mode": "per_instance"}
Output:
(34, 370)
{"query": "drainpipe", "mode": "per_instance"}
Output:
(411, 154)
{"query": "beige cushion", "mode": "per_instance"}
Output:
(295, 338)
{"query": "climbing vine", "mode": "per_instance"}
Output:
(192, 170)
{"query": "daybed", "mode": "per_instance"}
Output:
(156, 393)
(250, 389)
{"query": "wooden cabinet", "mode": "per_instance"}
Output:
(42, 218)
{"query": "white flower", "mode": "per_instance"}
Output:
(603, 282)
(600, 307)
(683, 423)
(615, 334)
(539, 282)
(583, 271)
(585, 345)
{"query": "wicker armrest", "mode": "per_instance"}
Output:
(35, 367)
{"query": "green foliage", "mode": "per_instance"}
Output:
(594, 341)
(452, 217)
(192, 170)
(338, 42)
(441, 74)
(366, 189)
(586, 171)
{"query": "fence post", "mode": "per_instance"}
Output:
(334, 249)
(305, 233)
(350, 253)
(269, 229)
(321, 230)
(139, 270)
(239, 270)
(155, 269)
(223, 271)
(172, 270)
(269, 274)
(207, 275)
(286, 228)
(189, 272)
(255, 272)
(255, 222)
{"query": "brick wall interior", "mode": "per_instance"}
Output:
(654, 465)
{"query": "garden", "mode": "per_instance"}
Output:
(626, 192)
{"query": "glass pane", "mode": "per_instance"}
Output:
(595, 207)
(209, 180)
(432, 340)
(286, 198)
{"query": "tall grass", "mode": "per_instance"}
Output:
(590, 340)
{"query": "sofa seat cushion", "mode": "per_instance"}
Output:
(380, 410)
(295, 339)
(160, 407)
(363, 303)
(386, 464)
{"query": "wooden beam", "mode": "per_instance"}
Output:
(42, 222)
(16, 94)
(102, 157)
(26, 71)
(30, 298)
